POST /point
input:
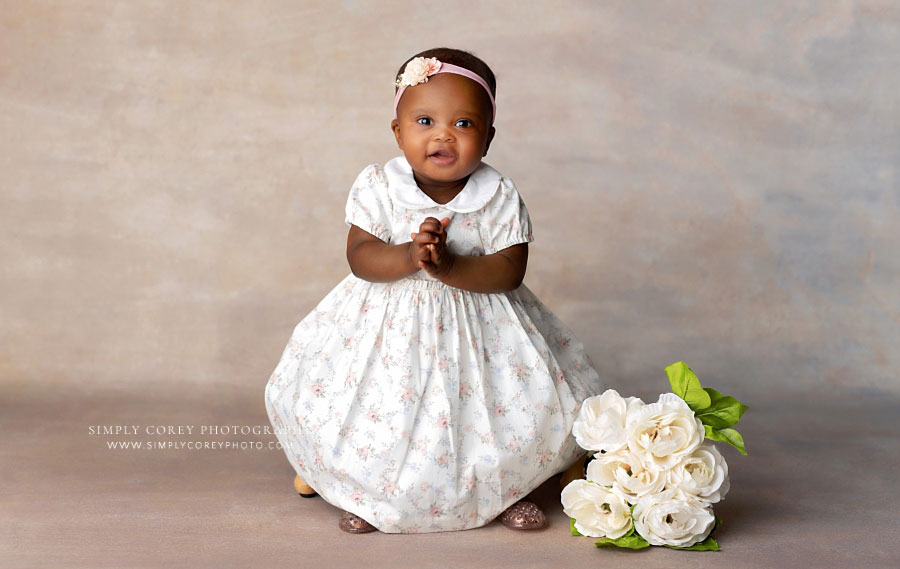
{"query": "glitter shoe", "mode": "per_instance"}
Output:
(351, 523)
(523, 515)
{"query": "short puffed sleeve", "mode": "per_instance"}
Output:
(505, 220)
(368, 206)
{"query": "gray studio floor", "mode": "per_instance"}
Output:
(817, 490)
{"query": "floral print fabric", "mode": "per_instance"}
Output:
(421, 407)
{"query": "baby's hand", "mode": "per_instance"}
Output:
(429, 247)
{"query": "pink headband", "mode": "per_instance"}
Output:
(419, 69)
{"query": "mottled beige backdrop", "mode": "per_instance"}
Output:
(715, 182)
(711, 182)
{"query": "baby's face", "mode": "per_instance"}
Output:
(444, 127)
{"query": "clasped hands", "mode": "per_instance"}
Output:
(429, 250)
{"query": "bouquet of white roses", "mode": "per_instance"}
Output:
(652, 479)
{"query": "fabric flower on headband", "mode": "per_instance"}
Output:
(417, 71)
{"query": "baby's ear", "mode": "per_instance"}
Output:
(395, 127)
(487, 143)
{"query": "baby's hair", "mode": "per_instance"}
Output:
(460, 58)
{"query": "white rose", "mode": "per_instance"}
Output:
(597, 511)
(601, 421)
(664, 432)
(673, 518)
(703, 474)
(626, 475)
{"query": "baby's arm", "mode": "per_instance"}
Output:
(373, 260)
(498, 272)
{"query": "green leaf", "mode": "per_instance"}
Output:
(713, 394)
(708, 544)
(686, 385)
(572, 527)
(629, 541)
(722, 413)
(729, 436)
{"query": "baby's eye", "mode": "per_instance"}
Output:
(463, 123)
(424, 120)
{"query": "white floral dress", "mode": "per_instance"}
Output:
(418, 406)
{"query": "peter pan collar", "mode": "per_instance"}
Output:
(479, 189)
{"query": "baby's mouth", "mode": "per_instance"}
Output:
(442, 157)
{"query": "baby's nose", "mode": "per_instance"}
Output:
(443, 133)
